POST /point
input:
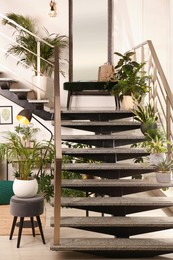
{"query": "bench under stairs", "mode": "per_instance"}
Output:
(116, 230)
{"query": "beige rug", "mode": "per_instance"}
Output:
(6, 221)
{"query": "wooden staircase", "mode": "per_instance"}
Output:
(117, 197)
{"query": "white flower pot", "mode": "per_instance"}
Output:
(157, 158)
(41, 83)
(25, 188)
(127, 103)
(164, 176)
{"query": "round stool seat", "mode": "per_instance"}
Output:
(27, 207)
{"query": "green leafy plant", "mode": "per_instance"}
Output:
(164, 166)
(148, 118)
(24, 158)
(26, 45)
(130, 78)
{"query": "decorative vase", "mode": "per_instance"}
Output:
(164, 176)
(25, 188)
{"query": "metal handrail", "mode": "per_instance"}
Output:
(160, 95)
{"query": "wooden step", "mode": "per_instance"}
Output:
(109, 170)
(105, 154)
(104, 140)
(118, 226)
(21, 92)
(38, 103)
(117, 206)
(95, 115)
(101, 127)
(113, 187)
(116, 247)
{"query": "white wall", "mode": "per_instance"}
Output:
(134, 22)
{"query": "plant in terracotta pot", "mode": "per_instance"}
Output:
(164, 170)
(130, 78)
(24, 159)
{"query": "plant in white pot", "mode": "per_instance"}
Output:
(25, 46)
(24, 159)
(157, 147)
(164, 171)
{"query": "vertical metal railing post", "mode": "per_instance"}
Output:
(38, 69)
(58, 150)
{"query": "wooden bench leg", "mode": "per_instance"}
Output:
(20, 231)
(41, 230)
(13, 227)
(69, 99)
(32, 226)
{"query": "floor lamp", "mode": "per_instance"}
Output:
(24, 117)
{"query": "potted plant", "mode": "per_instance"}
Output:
(148, 118)
(24, 159)
(157, 147)
(26, 44)
(164, 171)
(130, 78)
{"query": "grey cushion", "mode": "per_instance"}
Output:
(26, 207)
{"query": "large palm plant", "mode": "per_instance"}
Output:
(26, 44)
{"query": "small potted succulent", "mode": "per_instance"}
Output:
(164, 171)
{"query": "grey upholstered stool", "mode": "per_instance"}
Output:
(26, 207)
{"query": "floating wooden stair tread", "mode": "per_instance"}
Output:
(38, 100)
(117, 226)
(108, 166)
(117, 222)
(20, 90)
(111, 247)
(95, 114)
(117, 206)
(108, 150)
(102, 137)
(7, 80)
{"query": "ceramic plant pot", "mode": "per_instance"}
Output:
(164, 176)
(25, 188)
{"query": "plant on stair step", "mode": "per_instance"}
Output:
(26, 44)
(164, 170)
(130, 78)
(148, 118)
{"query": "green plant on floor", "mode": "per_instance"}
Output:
(130, 78)
(27, 161)
(26, 41)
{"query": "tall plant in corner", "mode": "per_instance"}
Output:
(26, 44)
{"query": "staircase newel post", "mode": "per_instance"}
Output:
(38, 69)
(58, 150)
